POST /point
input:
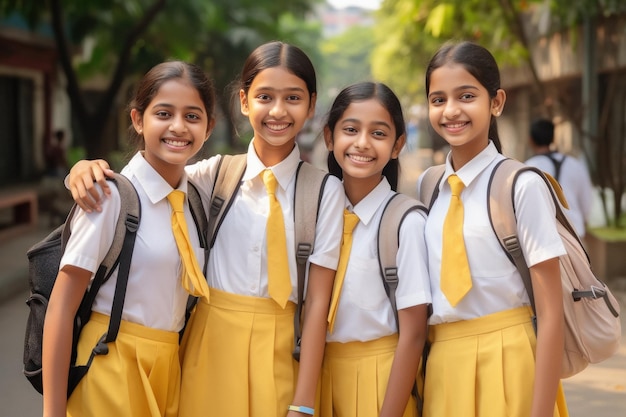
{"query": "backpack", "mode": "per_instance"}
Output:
(394, 212)
(43, 266)
(556, 162)
(591, 311)
(309, 190)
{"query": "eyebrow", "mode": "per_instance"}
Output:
(273, 89)
(361, 122)
(461, 87)
(170, 106)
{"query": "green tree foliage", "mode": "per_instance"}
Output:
(410, 31)
(347, 59)
(118, 40)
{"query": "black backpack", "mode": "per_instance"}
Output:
(43, 266)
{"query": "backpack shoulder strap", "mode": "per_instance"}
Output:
(119, 256)
(230, 170)
(309, 190)
(199, 217)
(501, 210)
(394, 213)
(429, 186)
(556, 162)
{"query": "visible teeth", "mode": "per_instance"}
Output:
(176, 142)
(361, 158)
(278, 127)
(455, 125)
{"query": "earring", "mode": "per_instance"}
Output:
(140, 131)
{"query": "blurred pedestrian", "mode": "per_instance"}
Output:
(56, 159)
(570, 172)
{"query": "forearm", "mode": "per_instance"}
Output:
(57, 345)
(403, 373)
(66, 296)
(313, 335)
(550, 329)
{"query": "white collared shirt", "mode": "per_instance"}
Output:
(576, 184)
(154, 296)
(364, 312)
(496, 284)
(237, 263)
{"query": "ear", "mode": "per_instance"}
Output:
(243, 100)
(209, 128)
(497, 103)
(397, 147)
(137, 119)
(328, 138)
(312, 106)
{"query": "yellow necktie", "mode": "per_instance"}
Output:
(192, 278)
(350, 220)
(456, 279)
(279, 280)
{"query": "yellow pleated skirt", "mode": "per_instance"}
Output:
(354, 378)
(236, 358)
(139, 377)
(483, 367)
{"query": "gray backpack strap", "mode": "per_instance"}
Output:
(230, 170)
(199, 217)
(394, 213)
(429, 185)
(309, 189)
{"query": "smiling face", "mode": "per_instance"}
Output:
(460, 110)
(277, 105)
(174, 126)
(363, 141)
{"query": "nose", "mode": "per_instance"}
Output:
(361, 140)
(178, 125)
(451, 111)
(278, 109)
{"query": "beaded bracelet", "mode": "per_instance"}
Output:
(301, 409)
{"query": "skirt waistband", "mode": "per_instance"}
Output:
(245, 303)
(485, 324)
(359, 349)
(138, 329)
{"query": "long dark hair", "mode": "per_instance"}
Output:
(479, 62)
(361, 92)
(159, 74)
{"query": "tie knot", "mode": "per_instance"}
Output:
(176, 199)
(456, 185)
(270, 181)
(350, 220)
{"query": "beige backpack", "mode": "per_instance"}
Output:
(592, 324)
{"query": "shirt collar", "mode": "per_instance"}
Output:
(367, 208)
(153, 184)
(283, 171)
(473, 168)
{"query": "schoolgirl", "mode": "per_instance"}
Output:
(485, 359)
(172, 116)
(237, 353)
(370, 362)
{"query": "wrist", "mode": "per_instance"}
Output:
(301, 409)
